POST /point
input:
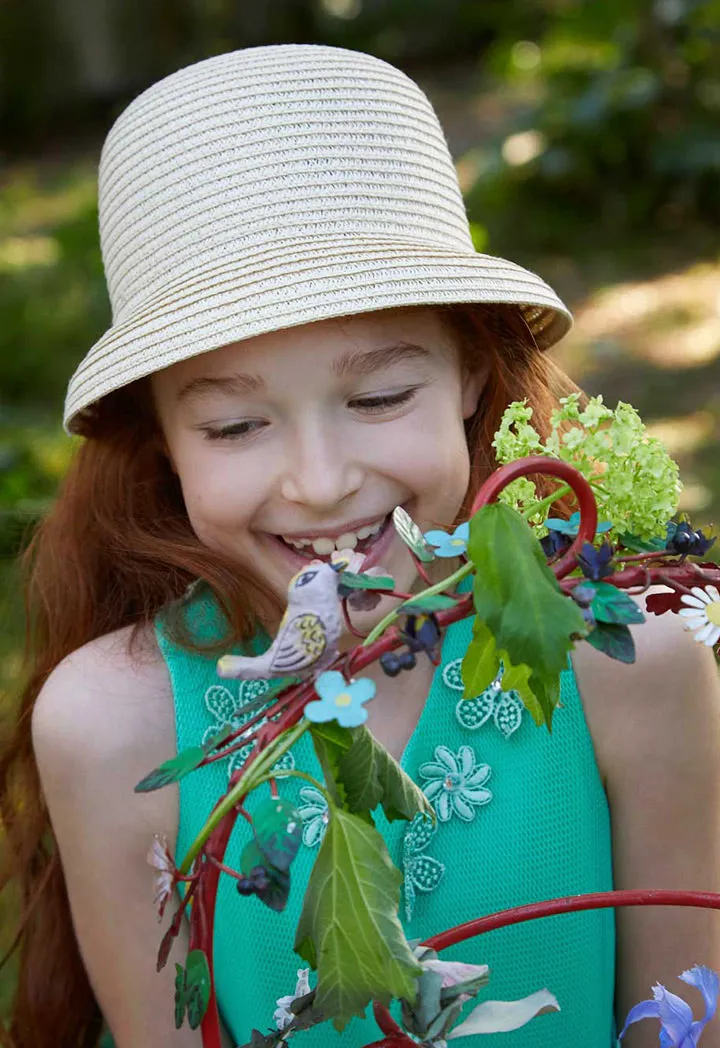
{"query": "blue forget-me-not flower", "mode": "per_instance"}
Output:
(449, 545)
(339, 700)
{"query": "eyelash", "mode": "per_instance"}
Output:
(371, 405)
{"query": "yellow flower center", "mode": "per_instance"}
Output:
(713, 612)
(456, 542)
(343, 699)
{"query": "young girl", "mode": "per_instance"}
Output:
(304, 339)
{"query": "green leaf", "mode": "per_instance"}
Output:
(331, 741)
(366, 582)
(179, 996)
(370, 776)
(349, 928)
(411, 535)
(613, 640)
(481, 665)
(638, 545)
(217, 739)
(421, 605)
(278, 831)
(172, 770)
(611, 605)
(517, 597)
(197, 987)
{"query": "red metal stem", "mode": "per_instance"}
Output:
(572, 904)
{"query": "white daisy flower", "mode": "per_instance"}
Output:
(702, 615)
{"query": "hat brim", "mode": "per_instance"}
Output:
(296, 283)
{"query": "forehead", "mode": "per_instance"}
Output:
(341, 345)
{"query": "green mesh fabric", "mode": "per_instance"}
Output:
(544, 833)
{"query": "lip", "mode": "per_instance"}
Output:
(331, 533)
(378, 550)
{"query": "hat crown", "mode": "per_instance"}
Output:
(247, 151)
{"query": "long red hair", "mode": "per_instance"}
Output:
(116, 547)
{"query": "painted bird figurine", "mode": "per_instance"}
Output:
(306, 640)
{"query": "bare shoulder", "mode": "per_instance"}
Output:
(111, 696)
(669, 699)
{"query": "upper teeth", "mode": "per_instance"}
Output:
(348, 540)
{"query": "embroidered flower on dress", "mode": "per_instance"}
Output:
(455, 783)
(422, 872)
(702, 615)
(314, 814)
(227, 709)
(505, 707)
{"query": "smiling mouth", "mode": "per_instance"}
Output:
(359, 541)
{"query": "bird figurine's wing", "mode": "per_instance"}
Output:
(300, 644)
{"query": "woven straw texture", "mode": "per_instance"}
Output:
(277, 186)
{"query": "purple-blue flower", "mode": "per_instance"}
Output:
(339, 700)
(449, 545)
(572, 526)
(677, 1027)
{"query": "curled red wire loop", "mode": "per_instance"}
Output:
(550, 467)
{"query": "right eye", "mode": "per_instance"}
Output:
(233, 430)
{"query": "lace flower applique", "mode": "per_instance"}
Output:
(422, 872)
(505, 707)
(227, 710)
(455, 783)
(314, 814)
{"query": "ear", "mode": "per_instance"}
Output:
(473, 385)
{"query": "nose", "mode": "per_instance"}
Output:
(321, 470)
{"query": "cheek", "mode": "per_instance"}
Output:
(218, 502)
(435, 455)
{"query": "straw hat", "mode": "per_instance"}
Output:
(275, 186)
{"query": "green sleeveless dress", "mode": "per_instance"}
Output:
(522, 816)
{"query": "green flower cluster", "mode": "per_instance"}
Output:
(636, 482)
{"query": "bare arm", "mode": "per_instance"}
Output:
(103, 720)
(656, 728)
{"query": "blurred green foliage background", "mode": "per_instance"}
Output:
(587, 142)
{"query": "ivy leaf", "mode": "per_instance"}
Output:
(481, 666)
(368, 582)
(613, 640)
(217, 739)
(638, 545)
(422, 605)
(278, 831)
(611, 605)
(274, 894)
(172, 770)
(197, 987)
(371, 776)
(411, 535)
(349, 928)
(179, 996)
(517, 597)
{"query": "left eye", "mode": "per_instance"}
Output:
(308, 576)
(384, 401)
(233, 430)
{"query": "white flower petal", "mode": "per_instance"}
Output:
(455, 971)
(712, 638)
(693, 613)
(713, 591)
(504, 1016)
(467, 760)
(701, 594)
(703, 634)
(693, 602)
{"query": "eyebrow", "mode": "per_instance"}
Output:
(356, 364)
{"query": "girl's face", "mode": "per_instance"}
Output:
(292, 444)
